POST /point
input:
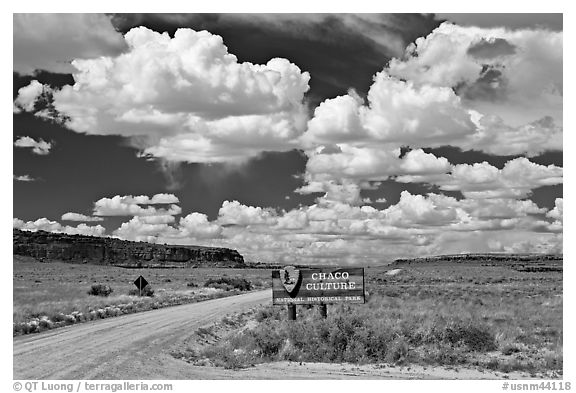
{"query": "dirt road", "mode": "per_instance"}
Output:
(138, 346)
(132, 346)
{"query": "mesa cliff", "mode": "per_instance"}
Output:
(48, 246)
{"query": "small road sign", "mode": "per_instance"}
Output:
(140, 283)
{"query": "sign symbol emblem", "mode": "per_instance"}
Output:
(290, 277)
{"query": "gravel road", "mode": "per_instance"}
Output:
(131, 346)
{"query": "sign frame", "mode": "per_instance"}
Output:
(318, 286)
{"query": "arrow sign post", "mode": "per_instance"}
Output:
(140, 284)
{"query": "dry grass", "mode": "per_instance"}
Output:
(48, 295)
(458, 315)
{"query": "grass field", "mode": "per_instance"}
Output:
(458, 315)
(455, 314)
(48, 295)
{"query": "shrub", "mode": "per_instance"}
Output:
(477, 338)
(100, 290)
(267, 313)
(146, 291)
(228, 283)
(191, 284)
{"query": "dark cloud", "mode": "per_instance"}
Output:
(508, 20)
(490, 85)
(341, 51)
(489, 49)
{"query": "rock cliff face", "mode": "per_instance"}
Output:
(108, 251)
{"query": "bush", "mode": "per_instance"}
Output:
(477, 338)
(228, 283)
(146, 291)
(100, 290)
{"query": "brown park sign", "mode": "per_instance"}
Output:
(317, 285)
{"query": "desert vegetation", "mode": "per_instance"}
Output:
(492, 318)
(229, 283)
(51, 295)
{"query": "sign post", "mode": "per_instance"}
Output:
(291, 312)
(317, 286)
(140, 284)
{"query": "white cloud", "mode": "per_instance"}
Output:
(193, 227)
(130, 206)
(516, 179)
(495, 137)
(293, 219)
(235, 213)
(188, 97)
(159, 219)
(516, 75)
(79, 217)
(348, 167)
(478, 89)
(163, 198)
(39, 147)
(25, 178)
(345, 191)
(196, 225)
(538, 245)
(138, 230)
(50, 41)
(28, 95)
(558, 211)
(43, 224)
(397, 112)
(413, 210)
(512, 79)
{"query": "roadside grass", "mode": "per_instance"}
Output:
(51, 295)
(491, 318)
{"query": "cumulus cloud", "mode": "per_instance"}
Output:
(51, 41)
(532, 139)
(527, 65)
(39, 147)
(44, 224)
(345, 191)
(416, 225)
(461, 86)
(235, 213)
(370, 164)
(156, 229)
(24, 178)
(538, 245)
(130, 206)
(79, 217)
(418, 210)
(557, 214)
(28, 96)
(186, 97)
(515, 76)
(196, 225)
(516, 179)
(397, 112)
(138, 230)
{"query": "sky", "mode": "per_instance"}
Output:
(293, 138)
